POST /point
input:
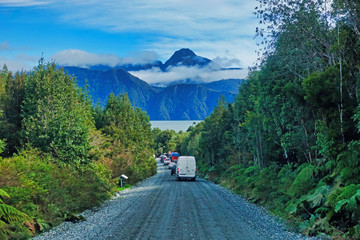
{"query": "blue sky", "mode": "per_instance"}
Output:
(85, 32)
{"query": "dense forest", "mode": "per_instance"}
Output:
(59, 154)
(291, 139)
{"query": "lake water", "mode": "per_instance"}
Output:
(174, 125)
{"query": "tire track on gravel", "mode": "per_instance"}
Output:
(163, 208)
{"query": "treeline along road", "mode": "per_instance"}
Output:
(164, 208)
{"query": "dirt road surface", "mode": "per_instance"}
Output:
(164, 208)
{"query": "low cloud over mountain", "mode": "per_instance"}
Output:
(182, 88)
(184, 66)
(193, 74)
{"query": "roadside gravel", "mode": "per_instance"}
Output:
(163, 208)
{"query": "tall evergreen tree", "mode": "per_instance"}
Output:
(56, 117)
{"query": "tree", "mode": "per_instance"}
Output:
(56, 117)
(162, 140)
(131, 139)
(11, 104)
(349, 11)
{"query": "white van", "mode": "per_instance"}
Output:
(186, 168)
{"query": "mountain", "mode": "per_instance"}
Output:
(182, 57)
(182, 100)
(226, 85)
(174, 102)
(138, 67)
(186, 102)
(102, 83)
(186, 57)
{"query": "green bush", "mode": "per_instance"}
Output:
(303, 182)
(48, 190)
(9, 216)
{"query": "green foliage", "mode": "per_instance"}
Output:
(348, 163)
(348, 199)
(35, 181)
(57, 163)
(8, 215)
(292, 126)
(129, 146)
(319, 89)
(2, 195)
(349, 204)
(162, 141)
(318, 198)
(190, 142)
(304, 181)
(2, 146)
(55, 115)
(10, 105)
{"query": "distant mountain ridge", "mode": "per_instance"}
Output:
(227, 85)
(117, 81)
(182, 57)
(177, 101)
(186, 102)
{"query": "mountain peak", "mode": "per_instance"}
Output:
(184, 52)
(186, 57)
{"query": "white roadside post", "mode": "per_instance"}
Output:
(123, 179)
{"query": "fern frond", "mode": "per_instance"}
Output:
(331, 199)
(4, 230)
(316, 199)
(10, 214)
(3, 194)
(348, 204)
(348, 192)
(348, 162)
(348, 172)
(340, 204)
(43, 225)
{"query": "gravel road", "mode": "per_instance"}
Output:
(163, 208)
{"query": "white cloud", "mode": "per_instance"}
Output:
(181, 73)
(16, 59)
(158, 13)
(140, 58)
(19, 63)
(226, 62)
(213, 28)
(23, 3)
(187, 19)
(26, 58)
(241, 49)
(5, 46)
(80, 58)
(76, 57)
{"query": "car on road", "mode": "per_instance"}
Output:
(162, 158)
(173, 170)
(166, 161)
(186, 168)
(171, 164)
(174, 156)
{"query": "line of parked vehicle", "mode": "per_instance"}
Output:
(184, 167)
